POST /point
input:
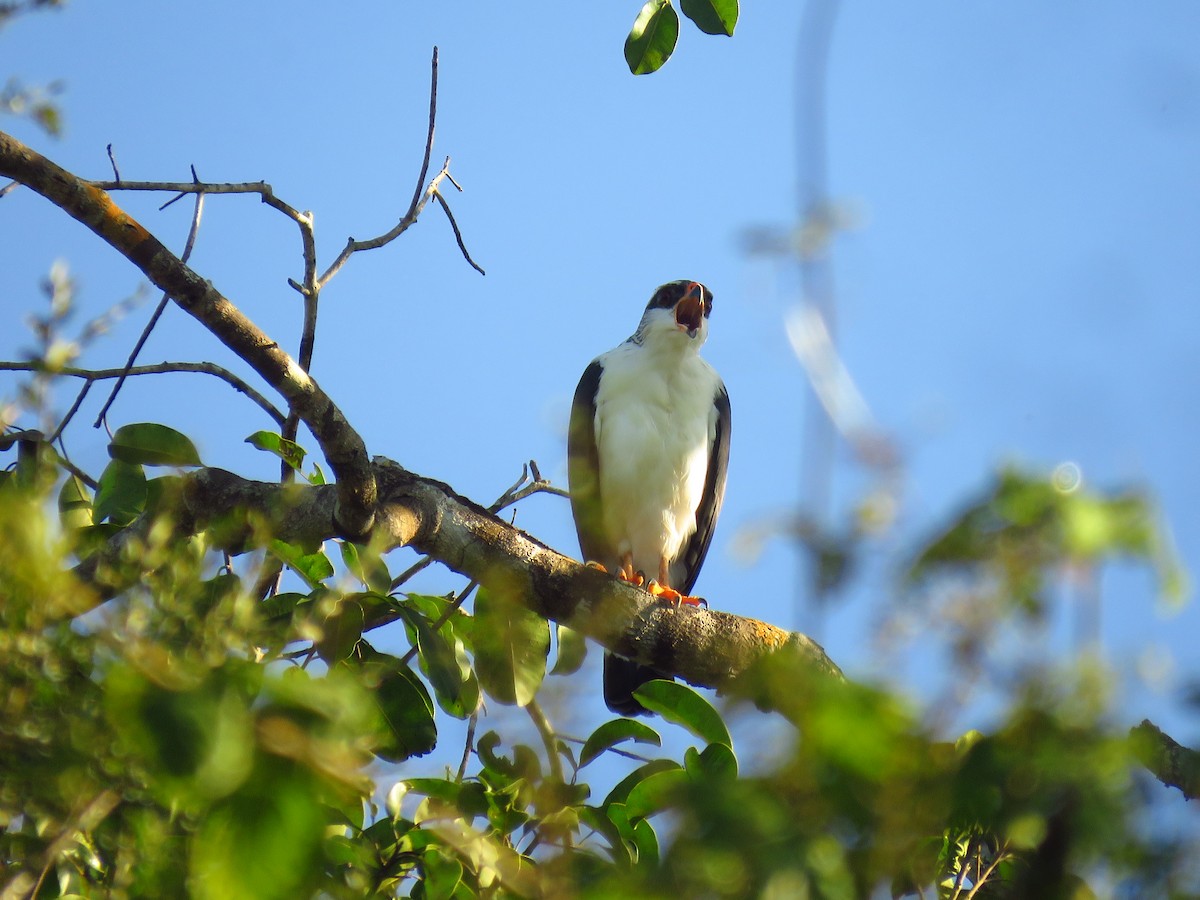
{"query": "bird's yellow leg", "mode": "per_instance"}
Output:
(663, 591)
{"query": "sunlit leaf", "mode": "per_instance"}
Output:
(314, 568)
(288, 451)
(150, 444)
(714, 764)
(681, 705)
(652, 38)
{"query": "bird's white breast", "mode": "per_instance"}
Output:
(655, 423)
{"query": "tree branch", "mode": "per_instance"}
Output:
(204, 368)
(705, 647)
(1169, 761)
(341, 445)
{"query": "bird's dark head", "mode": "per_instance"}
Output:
(678, 307)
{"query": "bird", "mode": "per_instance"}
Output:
(647, 456)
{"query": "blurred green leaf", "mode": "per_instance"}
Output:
(655, 793)
(444, 661)
(712, 16)
(367, 566)
(121, 496)
(716, 763)
(314, 568)
(150, 444)
(572, 650)
(620, 793)
(341, 630)
(652, 38)
(614, 732)
(74, 504)
(681, 705)
(511, 647)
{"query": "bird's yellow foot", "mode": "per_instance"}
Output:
(670, 595)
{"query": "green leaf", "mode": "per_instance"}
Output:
(712, 16)
(681, 705)
(442, 874)
(511, 646)
(289, 451)
(341, 631)
(314, 568)
(654, 794)
(444, 662)
(716, 763)
(367, 566)
(572, 650)
(406, 708)
(652, 39)
(612, 733)
(150, 444)
(74, 504)
(620, 793)
(121, 496)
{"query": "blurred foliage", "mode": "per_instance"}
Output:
(16, 98)
(192, 739)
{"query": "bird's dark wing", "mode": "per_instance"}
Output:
(686, 567)
(583, 470)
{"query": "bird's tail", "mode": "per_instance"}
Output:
(621, 678)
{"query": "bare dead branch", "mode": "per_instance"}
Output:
(341, 445)
(421, 197)
(162, 303)
(457, 234)
(205, 368)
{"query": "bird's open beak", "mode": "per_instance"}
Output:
(689, 311)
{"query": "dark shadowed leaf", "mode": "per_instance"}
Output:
(612, 733)
(680, 704)
(652, 38)
(511, 646)
(712, 16)
(150, 444)
(121, 496)
(406, 708)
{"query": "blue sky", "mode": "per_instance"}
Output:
(1019, 283)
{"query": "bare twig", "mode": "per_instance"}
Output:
(457, 234)
(113, 160)
(205, 368)
(162, 303)
(421, 196)
(468, 746)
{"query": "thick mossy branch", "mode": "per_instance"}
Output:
(705, 647)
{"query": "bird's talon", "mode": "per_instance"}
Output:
(590, 564)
